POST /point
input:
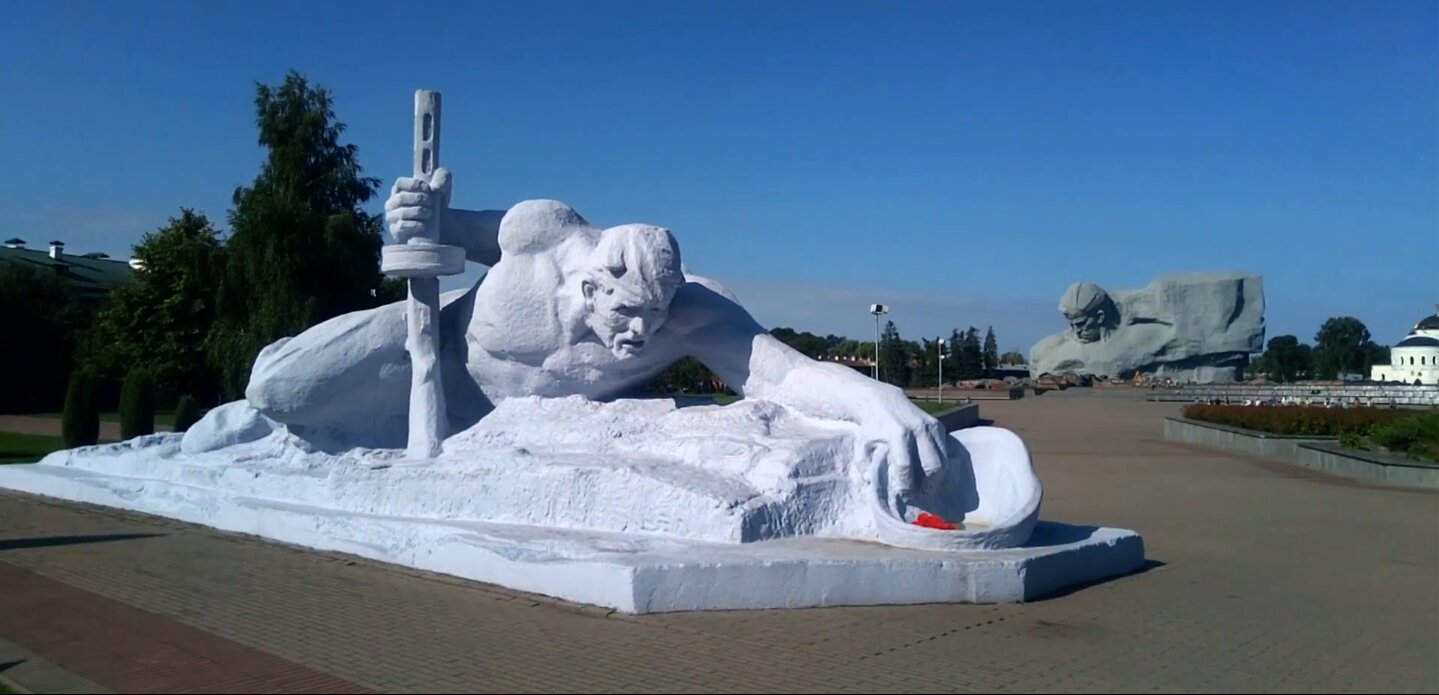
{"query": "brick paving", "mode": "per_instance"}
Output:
(133, 650)
(1266, 578)
(40, 675)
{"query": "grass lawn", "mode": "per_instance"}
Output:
(26, 448)
(933, 407)
(162, 417)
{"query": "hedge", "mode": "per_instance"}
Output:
(1413, 433)
(1296, 420)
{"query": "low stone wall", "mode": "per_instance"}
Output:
(1368, 465)
(951, 393)
(1319, 453)
(959, 417)
(1178, 429)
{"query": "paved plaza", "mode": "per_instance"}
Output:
(1264, 577)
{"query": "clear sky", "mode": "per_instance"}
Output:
(961, 161)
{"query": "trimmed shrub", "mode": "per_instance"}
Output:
(80, 422)
(1415, 436)
(1413, 433)
(187, 412)
(1297, 420)
(1351, 439)
(137, 405)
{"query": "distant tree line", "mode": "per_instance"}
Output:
(965, 355)
(300, 250)
(1341, 346)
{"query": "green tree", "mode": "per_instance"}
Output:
(893, 357)
(924, 355)
(971, 355)
(1286, 359)
(162, 320)
(187, 413)
(40, 322)
(1377, 354)
(137, 404)
(808, 344)
(991, 351)
(1342, 345)
(301, 248)
(953, 368)
(80, 422)
(1012, 357)
(852, 349)
(687, 375)
(391, 290)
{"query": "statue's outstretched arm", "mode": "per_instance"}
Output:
(476, 231)
(724, 337)
(719, 333)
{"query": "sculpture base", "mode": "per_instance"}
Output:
(631, 573)
(744, 472)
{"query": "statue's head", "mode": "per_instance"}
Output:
(1089, 310)
(633, 277)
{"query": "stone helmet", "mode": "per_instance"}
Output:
(1089, 309)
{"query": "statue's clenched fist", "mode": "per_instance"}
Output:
(415, 204)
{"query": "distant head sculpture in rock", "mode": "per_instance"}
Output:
(1090, 311)
(1191, 326)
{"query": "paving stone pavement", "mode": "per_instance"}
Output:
(1265, 578)
(18, 664)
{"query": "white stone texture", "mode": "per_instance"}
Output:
(640, 506)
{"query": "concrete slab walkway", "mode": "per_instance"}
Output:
(1267, 578)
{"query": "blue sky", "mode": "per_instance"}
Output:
(961, 161)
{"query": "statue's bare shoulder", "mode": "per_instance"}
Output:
(534, 227)
(516, 312)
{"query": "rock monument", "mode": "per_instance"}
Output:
(1193, 327)
(542, 466)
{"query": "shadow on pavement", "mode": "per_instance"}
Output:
(51, 541)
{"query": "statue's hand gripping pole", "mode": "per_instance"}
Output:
(422, 260)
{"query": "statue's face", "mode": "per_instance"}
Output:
(1087, 326)
(625, 317)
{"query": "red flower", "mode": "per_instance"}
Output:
(928, 520)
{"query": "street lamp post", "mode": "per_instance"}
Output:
(878, 310)
(939, 346)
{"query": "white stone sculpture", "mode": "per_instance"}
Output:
(1196, 327)
(820, 487)
(421, 259)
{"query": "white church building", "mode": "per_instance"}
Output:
(1415, 358)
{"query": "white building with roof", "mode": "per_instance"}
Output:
(1415, 359)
